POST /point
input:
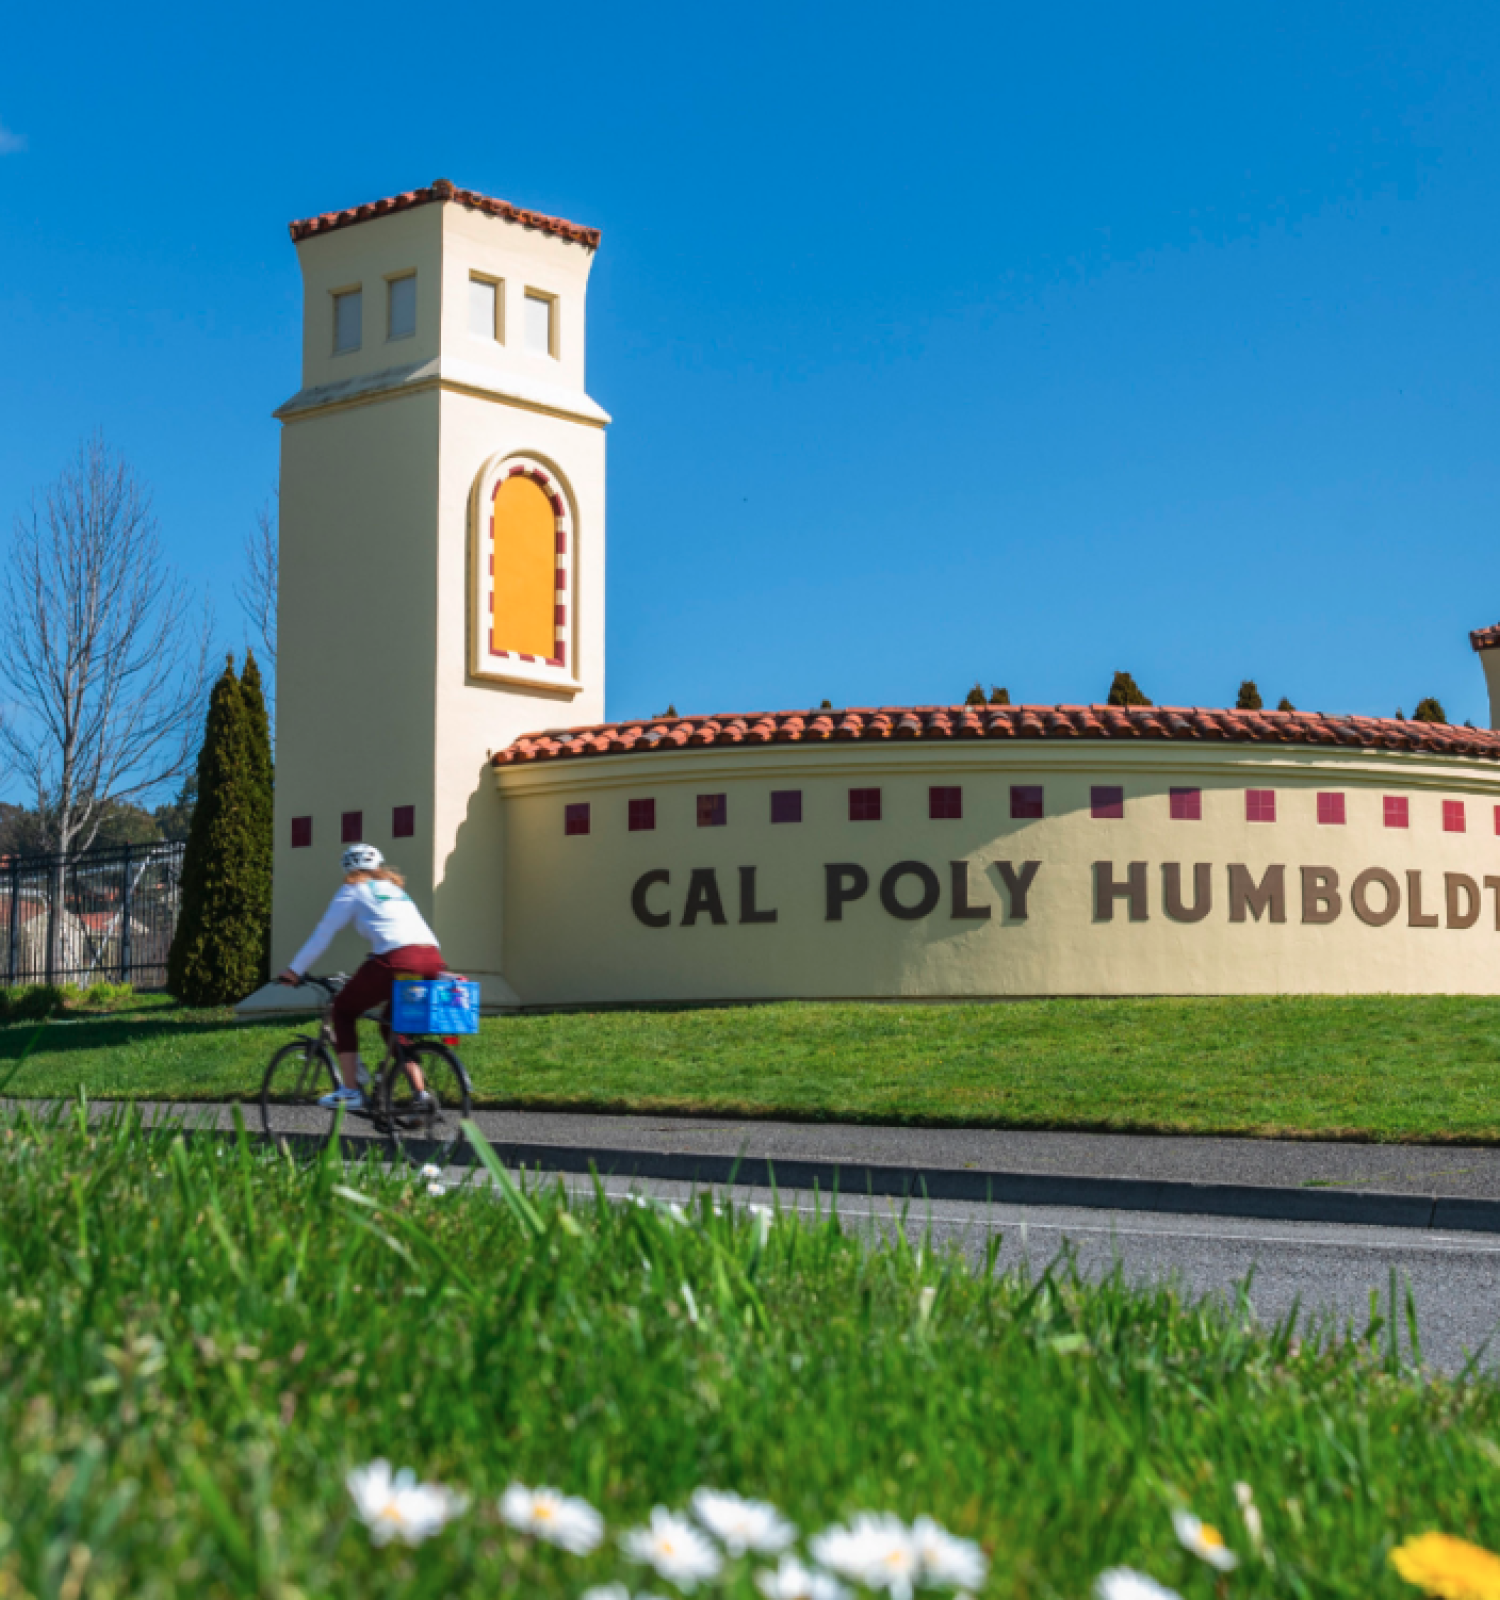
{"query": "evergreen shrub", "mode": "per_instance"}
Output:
(1429, 709)
(1249, 697)
(1125, 691)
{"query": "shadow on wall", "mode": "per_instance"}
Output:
(468, 897)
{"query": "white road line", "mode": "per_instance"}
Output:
(1419, 1239)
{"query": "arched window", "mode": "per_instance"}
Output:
(522, 590)
(524, 623)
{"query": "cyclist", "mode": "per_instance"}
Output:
(374, 899)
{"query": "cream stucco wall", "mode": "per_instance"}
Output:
(576, 940)
(383, 455)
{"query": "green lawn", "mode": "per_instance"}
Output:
(198, 1341)
(1379, 1067)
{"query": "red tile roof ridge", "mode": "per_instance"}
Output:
(439, 190)
(910, 724)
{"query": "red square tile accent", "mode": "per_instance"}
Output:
(1186, 805)
(560, 617)
(1025, 800)
(945, 801)
(713, 810)
(864, 805)
(301, 833)
(351, 827)
(1260, 805)
(576, 817)
(786, 805)
(562, 542)
(1331, 809)
(403, 822)
(642, 816)
(1497, 819)
(1397, 811)
(1453, 816)
(1106, 801)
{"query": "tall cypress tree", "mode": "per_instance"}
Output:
(1124, 691)
(218, 948)
(258, 866)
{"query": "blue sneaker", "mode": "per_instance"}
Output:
(349, 1099)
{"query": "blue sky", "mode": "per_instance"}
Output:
(1021, 343)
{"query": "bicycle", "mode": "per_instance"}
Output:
(304, 1070)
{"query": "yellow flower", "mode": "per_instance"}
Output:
(1452, 1568)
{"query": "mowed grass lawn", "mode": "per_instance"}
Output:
(1377, 1067)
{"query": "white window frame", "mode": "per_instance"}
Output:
(334, 297)
(498, 285)
(554, 321)
(391, 280)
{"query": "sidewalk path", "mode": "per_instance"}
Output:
(1414, 1186)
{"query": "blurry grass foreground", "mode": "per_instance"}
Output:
(1384, 1067)
(199, 1340)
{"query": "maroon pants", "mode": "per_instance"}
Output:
(371, 986)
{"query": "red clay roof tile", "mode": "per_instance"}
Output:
(441, 189)
(913, 723)
(1485, 638)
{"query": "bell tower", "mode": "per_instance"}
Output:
(442, 549)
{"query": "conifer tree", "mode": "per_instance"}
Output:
(258, 864)
(1429, 709)
(1283, 704)
(1249, 697)
(998, 696)
(975, 696)
(1124, 691)
(219, 945)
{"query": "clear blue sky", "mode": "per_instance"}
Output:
(1000, 341)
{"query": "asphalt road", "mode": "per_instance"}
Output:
(1329, 1271)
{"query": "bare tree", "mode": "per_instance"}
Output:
(255, 589)
(103, 652)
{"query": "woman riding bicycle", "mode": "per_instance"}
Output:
(374, 900)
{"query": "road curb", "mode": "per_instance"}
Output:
(1367, 1208)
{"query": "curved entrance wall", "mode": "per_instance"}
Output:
(954, 866)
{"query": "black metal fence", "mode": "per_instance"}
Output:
(105, 915)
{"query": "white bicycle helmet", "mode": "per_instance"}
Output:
(362, 858)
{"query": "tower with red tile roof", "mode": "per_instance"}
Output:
(442, 546)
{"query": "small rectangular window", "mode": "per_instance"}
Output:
(576, 818)
(1331, 810)
(864, 805)
(351, 827)
(786, 805)
(713, 810)
(403, 822)
(301, 833)
(642, 816)
(401, 307)
(1025, 800)
(1106, 802)
(347, 314)
(541, 319)
(945, 802)
(1186, 805)
(484, 308)
(1453, 816)
(1260, 805)
(1397, 811)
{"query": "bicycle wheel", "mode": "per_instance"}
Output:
(427, 1131)
(299, 1073)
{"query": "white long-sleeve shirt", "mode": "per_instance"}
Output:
(383, 914)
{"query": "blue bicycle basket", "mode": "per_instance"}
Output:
(435, 1005)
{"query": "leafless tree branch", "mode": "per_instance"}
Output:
(103, 651)
(255, 589)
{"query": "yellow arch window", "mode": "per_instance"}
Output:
(525, 589)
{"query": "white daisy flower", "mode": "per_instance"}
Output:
(396, 1506)
(429, 1172)
(1204, 1540)
(674, 1548)
(876, 1549)
(741, 1525)
(1125, 1583)
(437, 1188)
(948, 1561)
(549, 1514)
(606, 1591)
(792, 1581)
